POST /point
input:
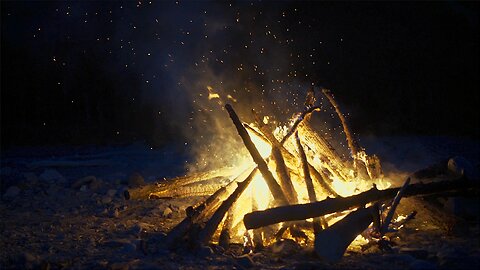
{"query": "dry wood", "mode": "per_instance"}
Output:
(280, 168)
(325, 151)
(194, 214)
(308, 182)
(396, 201)
(297, 121)
(352, 144)
(170, 187)
(320, 177)
(310, 210)
(274, 187)
(212, 224)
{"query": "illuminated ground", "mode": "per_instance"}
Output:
(50, 223)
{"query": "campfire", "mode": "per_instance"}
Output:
(298, 187)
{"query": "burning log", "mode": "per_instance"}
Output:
(327, 154)
(212, 224)
(320, 177)
(308, 181)
(281, 168)
(310, 210)
(297, 121)
(274, 187)
(331, 243)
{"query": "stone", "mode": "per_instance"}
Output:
(461, 166)
(31, 179)
(106, 199)
(112, 192)
(167, 212)
(136, 229)
(11, 193)
(245, 261)
(204, 251)
(51, 175)
(136, 180)
(84, 181)
(96, 184)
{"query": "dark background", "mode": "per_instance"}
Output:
(116, 72)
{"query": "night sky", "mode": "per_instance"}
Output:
(115, 72)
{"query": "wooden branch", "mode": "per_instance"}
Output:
(310, 210)
(280, 168)
(320, 177)
(254, 131)
(297, 121)
(211, 226)
(200, 211)
(274, 187)
(308, 182)
(396, 201)
(352, 144)
(173, 187)
(327, 154)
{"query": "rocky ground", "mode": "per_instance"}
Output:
(57, 217)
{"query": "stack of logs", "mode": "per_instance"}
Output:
(204, 219)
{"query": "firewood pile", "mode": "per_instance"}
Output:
(300, 189)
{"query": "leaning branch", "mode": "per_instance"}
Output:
(274, 187)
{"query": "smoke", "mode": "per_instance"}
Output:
(210, 55)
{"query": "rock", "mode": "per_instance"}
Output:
(204, 251)
(285, 246)
(136, 229)
(461, 166)
(96, 184)
(31, 179)
(422, 265)
(115, 213)
(167, 212)
(51, 175)
(112, 192)
(11, 193)
(136, 180)
(106, 199)
(83, 181)
(245, 261)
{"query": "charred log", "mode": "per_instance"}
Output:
(327, 206)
